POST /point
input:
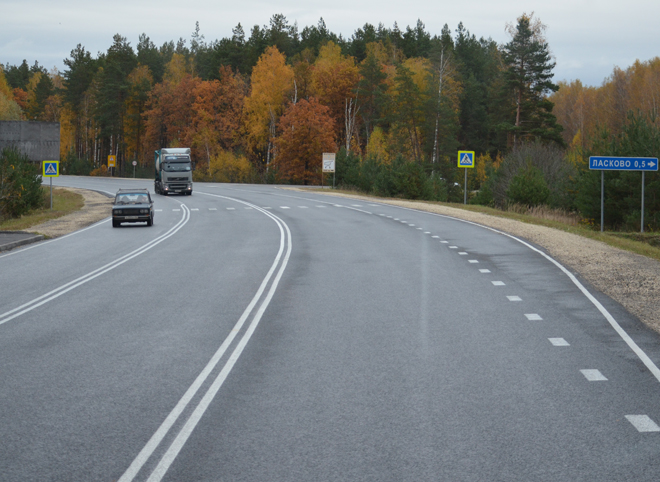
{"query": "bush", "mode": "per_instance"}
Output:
(549, 160)
(20, 184)
(528, 187)
(75, 166)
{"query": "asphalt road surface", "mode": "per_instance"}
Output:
(262, 334)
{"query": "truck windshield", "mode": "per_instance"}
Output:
(176, 166)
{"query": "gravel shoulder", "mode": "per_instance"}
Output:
(630, 279)
(97, 207)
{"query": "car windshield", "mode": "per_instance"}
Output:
(132, 198)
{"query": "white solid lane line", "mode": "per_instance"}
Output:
(174, 449)
(559, 342)
(65, 288)
(643, 423)
(593, 375)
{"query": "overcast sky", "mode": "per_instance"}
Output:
(587, 37)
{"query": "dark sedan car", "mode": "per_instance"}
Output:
(132, 206)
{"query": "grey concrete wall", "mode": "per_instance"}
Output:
(40, 141)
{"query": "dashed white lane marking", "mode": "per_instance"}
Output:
(533, 317)
(593, 375)
(285, 207)
(514, 298)
(410, 224)
(559, 342)
(215, 209)
(462, 253)
(482, 270)
(231, 209)
(435, 237)
(374, 205)
(427, 232)
(453, 247)
(159, 210)
(473, 261)
(396, 219)
(194, 209)
(420, 229)
(356, 205)
(379, 214)
(338, 205)
(176, 210)
(444, 242)
(498, 283)
(643, 423)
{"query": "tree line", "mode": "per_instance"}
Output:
(395, 104)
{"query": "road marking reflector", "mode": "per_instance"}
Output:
(593, 375)
(643, 423)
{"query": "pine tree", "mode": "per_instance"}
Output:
(528, 80)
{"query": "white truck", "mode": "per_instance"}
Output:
(173, 171)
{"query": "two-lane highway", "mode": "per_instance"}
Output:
(256, 333)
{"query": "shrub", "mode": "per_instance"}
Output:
(528, 187)
(20, 184)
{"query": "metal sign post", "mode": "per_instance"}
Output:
(328, 166)
(51, 169)
(621, 164)
(465, 160)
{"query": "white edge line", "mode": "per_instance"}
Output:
(621, 332)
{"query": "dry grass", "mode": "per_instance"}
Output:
(545, 212)
(64, 202)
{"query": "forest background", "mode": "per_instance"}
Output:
(395, 105)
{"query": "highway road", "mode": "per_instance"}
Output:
(259, 334)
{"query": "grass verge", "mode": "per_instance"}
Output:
(64, 202)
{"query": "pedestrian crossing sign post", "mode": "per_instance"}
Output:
(465, 160)
(51, 169)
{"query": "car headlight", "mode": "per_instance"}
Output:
(117, 211)
(144, 211)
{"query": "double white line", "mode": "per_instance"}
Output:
(65, 288)
(262, 298)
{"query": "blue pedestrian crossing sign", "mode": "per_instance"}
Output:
(51, 168)
(465, 158)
